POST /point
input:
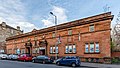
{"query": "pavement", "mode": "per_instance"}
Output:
(19, 64)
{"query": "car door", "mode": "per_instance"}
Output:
(20, 57)
(37, 59)
(63, 61)
(42, 59)
(67, 61)
(23, 57)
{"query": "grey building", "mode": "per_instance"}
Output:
(7, 31)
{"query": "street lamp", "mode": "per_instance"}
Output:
(55, 31)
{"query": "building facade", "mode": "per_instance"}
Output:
(7, 31)
(87, 38)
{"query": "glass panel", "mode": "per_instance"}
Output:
(57, 49)
(53, 49)
(91, 28)
(70, 49)
(22, 51)
(91, 47)
(66, 49)
(97, 47)
(50, 49)
(86, 48)
(74, 48)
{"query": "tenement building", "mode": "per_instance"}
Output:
(7, 31)
(88, 38)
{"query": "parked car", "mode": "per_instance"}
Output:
(42, 59)
(69, 60)
(25, 57)
(3, 56)
(12, 57)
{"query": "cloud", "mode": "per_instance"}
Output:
(13, 12)
(61, 16)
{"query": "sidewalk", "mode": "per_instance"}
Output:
(98, 65)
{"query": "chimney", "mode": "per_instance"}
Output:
(4, 24)
(18, 27)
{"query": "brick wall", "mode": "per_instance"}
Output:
(101, 34)
(115, 54)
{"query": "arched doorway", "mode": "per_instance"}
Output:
(43, 47)
(28, 50)
(28, 47)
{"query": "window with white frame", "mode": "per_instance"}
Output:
(97, 47)
(53, 34)
(22, 51)
(74, 48)
(9, 51)
(91, 28)
(86, 47)
(54, 49)
(92, 47)
(66, 51)
(51, 50)
(70, 48)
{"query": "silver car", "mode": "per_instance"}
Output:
(3, 56)
(12, 57)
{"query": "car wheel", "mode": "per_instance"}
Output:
(24, 60)
(33, 61)
(73, 64)
(58, 63)
(43, 62)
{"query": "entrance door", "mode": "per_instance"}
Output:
(28, 50)
(42, 52)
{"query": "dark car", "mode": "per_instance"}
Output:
(69, 60)
(42, 59)
(25, 57)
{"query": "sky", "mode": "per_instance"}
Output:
(35, 14)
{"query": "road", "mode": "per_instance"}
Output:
(18, 64)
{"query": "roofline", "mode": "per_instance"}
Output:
(91, 19)
(11, 27)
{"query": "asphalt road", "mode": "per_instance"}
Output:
(18, 64)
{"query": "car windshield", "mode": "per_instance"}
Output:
(42, 57)
(14, 55)
(4, 54)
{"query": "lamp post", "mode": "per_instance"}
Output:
(55, 31)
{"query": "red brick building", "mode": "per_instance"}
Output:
(87, 38)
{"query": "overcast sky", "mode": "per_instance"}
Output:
(30, 14)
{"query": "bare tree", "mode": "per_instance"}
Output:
(116, 35)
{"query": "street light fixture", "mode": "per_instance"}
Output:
(55, 32)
